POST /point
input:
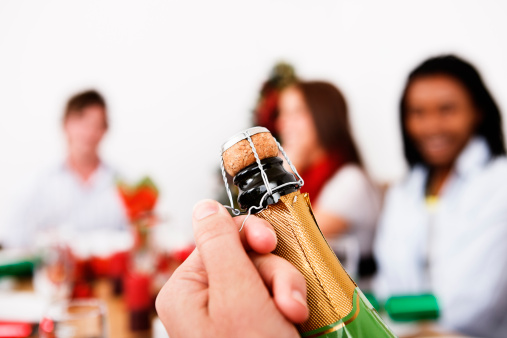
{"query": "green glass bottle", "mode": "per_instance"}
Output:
(337, 307)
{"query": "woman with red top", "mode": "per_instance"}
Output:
(314, 130)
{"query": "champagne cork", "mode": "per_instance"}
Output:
(238, 154)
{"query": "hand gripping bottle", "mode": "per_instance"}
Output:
(337, 306)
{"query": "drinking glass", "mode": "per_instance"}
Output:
(53, 275)
(80, 318)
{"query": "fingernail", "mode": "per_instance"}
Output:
(273, 232)
(298, 296)
(204, 209)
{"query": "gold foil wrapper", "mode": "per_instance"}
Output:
(330, 289)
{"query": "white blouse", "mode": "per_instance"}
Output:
(457, 250)
(350, 195)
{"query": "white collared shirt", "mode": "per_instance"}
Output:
(59, 198)
(457, 251)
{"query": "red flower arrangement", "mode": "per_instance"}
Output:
(139, 199)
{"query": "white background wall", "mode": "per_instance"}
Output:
(181, 77)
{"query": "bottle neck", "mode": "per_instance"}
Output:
(252, 188)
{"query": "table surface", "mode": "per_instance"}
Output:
(117, 314)
(118, 321)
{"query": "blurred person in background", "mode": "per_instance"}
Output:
(444, 227)
(265, 113)
(267, 110)
(78, 194)
(315, 133)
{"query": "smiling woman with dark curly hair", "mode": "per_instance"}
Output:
(444, 227)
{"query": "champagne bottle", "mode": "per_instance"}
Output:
(337, 307)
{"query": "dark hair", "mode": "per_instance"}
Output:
(490, 126)
(329, 111)
(82, 100)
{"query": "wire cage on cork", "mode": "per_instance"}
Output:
(240, 151)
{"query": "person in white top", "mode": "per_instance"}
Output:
(315, 133)
(79, 194)
(353, 197)
(444, 227)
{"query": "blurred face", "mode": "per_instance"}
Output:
(296, 126)
(441, 118)
(84, 132)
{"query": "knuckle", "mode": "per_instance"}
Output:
(210, 232)
(190, 275)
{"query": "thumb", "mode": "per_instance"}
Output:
(222, 253)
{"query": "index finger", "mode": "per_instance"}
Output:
(257, 234)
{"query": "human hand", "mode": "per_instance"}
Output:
(231, 285)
